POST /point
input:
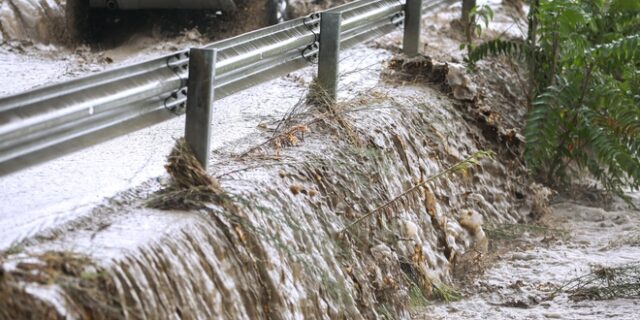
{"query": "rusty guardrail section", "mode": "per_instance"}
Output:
(48, 122)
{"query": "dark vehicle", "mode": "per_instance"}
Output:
(82, 16)
(276, 9)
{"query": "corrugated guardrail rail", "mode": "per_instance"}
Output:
(51, 121)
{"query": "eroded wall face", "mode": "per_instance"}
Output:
(32, 20)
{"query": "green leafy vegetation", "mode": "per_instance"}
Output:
(445, 293)
(513, 231)
(473, 24)
(581, 60)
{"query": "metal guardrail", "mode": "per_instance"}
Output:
(48, 122)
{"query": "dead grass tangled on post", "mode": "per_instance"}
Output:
(185, 170)
(191, 187)
(318, 97)
(331, 109)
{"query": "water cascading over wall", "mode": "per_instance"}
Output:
(276, 249)
(32, 20)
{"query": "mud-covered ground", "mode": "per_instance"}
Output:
(68, 205)
(556, 269)
(532, 270)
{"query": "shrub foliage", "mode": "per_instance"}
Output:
(582, 60)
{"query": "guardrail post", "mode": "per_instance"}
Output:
(329, 53)
(200, 97)
(412, 26)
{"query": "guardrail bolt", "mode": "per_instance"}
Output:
(412, 26)
(329, 53)
(200, 96)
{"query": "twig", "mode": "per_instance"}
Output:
(290, 113)
(275, 137)
(471, 161)
(523, 86)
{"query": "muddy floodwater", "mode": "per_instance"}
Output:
(317, 212)
(526, 282)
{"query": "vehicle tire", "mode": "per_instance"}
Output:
(277, 11)
(77, 21)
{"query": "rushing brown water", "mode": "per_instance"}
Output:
(278, 248)
(282, 254)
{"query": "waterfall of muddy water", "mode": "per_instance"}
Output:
(32, 20)
(43, 21)
(275, 249)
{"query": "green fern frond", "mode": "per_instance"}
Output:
(583, 59)
(622, 168)
(498, 47)
(617, 52)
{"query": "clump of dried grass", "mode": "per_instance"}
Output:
(318, 97)
(420, 68)
(445, 293)
(331, 110)
(191, 187)
(510, 232)
(185, 170)
(604, 283)
(16, 303)
(291, 136)
(90, 292)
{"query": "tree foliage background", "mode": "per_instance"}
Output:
(582, 60)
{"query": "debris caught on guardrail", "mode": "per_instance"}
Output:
(319, 98)
(451, 77)
(190, 187)
(420, 68)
